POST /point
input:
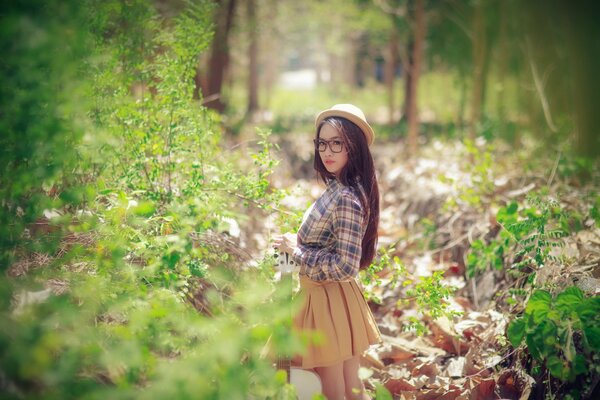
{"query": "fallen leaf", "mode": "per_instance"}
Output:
(398, 385)
(484, 389)
(428, 369)
(515, 384)
(439, 394)
(444, 337)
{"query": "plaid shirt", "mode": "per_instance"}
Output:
(330, 238)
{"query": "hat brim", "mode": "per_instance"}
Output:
(362, 124)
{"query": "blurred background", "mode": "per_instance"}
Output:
(150, 150)
(498, 68)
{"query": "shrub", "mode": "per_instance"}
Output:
(136, 190)
(561, 333)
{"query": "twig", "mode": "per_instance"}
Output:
(467, 235)
(241, 143)
(239, 196)
(539, 86)
(210, 98)
(475, 297)
(451, 222)
(554, 169)
(451, 244)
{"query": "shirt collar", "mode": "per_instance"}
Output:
(333, 183)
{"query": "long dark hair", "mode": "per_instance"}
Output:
(359, 169)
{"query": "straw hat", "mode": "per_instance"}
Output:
(352, 113)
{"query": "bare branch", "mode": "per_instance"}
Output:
(539, 86)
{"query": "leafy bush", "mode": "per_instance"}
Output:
(430, 293)
(532, 230)
(39, 95)
(143, 294)
(562, 332)
(481, 186)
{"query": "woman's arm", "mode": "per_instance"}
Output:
(342, 262)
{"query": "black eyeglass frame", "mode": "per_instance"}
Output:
(328, 143)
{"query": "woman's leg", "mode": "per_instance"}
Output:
(332, 379)
(355, 389)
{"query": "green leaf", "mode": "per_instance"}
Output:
(197, 268)
(512, 207)
(545, 337)
(381, 393)
(531, 341)
(554, 315)
(516, 331)
(539, 305)
(579, 366)
(589, 310)
(592, 334)
(556, 367)
(569, 299)
(172, 258)
(144, 209)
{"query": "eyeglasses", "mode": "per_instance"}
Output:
(335, 145)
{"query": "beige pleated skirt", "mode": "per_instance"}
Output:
(340, 317)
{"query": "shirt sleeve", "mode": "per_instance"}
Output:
(343, 261)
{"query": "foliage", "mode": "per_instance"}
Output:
(112, 337)
(560, 332)
(428, 292)
(431, 295)
(595, 210)
(384, 262)
(38, 97)
(110, 314)
(166, 135)
(480, 187)
(533, 229)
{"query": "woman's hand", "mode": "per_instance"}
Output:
(286, 242)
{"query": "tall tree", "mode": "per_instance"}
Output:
(564, 59)
(219, 58)
(252, 57)
(502, 60)
(407, 61)
(391, 61)
(420, 27)
(479, 55)
(270, 51)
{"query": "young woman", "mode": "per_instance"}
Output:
(337, 238)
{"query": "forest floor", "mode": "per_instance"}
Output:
(434, 207)
(466, 356)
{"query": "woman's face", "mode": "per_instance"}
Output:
(329, 138)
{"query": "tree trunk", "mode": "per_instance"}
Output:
(391, 60)
(253, 58)
(200, 79)
(270, 54)
(462, 105)
(415, 71)
(350, 70)
(406, 67)
(479, 46)
(219, 59)
(582, 33)
(502, 61)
